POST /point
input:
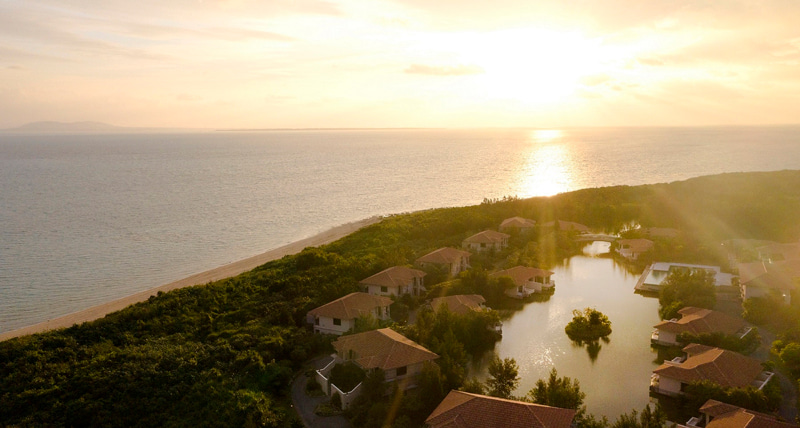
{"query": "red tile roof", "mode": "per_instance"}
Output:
(384, 349)
(699, 320)
(460, 303)
(730, 416)
(464, 410)
(777, 275)
(639, 245)
(395, 276)
(723, 367)
(517, 222)
(568, 225)
(522, 274)
(486, 237)
(445, 255)
(351, 306)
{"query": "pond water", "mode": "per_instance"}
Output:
(617, 379)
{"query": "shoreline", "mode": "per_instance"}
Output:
(222, 272)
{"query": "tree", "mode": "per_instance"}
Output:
(648, 418)
(687, 287)
(504, 377)
(561, 392)
(588, 326)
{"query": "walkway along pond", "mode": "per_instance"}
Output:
(618, 378)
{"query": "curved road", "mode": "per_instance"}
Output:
(305, 405)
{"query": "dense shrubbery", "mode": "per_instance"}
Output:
(685, 287)
(745, 345)
(226, 351)
(588, 326)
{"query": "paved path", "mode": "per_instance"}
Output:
(788, 407)
(305, 405)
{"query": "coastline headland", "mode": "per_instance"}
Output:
(216, 274)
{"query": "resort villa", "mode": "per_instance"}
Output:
(400, 358)
(517, 224)
(656, 273)
(698, 321)
(527, 280)
(465, 410)
(632, 248)
(395, 281)
(727, 369)
(566, 226)
(488, 240)
(451, 260)
(779, 252)
(762, 278)
(339, 316)
(717, 414)
(460, 304)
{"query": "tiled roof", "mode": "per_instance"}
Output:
(460, 304)
(486, 237)
(639, 245)
(777, 275)
(444, 255)
(568, 225)
(699, 320)
(730, 416)
(517, 222)
(351, 306)
(521, 274)
(395, 276)
(778, 252)
(725, 368)
(464, 410)
(385, 349)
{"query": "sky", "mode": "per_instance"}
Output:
(403, 63)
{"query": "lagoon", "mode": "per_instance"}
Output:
(618, 379)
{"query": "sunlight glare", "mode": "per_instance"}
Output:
(547, 171)
(532, 65)
(545, 135)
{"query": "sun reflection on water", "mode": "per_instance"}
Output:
(548, 169)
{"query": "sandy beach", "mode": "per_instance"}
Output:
(222, 272)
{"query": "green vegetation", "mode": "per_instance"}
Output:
(504, 377)
(686, 287)
(745, 345)
(561, 392)
(765, 400)
(588, 326)
(227, 351)
(346, 376)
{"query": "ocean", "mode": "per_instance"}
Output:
(85, 219)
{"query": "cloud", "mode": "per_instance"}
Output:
(429, 70)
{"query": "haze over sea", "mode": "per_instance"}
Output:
(85, 219)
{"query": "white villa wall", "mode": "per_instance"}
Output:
(326, 326)
(669, 386)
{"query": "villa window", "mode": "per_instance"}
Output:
(401, 371)
(384, 289)
(337, 321)
(316, 321)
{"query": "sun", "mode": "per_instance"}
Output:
(533, 65)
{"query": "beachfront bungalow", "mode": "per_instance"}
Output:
(631, 249)
(717, 414)
(451, 260)
(466, 410)
(656, 273)
(763, 278)
(527, 280)
(517, 224)
(727, 369)
(487, 240)
(395, 281)
(698, 321)
(339, 316)
(400, 358)
(461, 304)
(566, 226)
